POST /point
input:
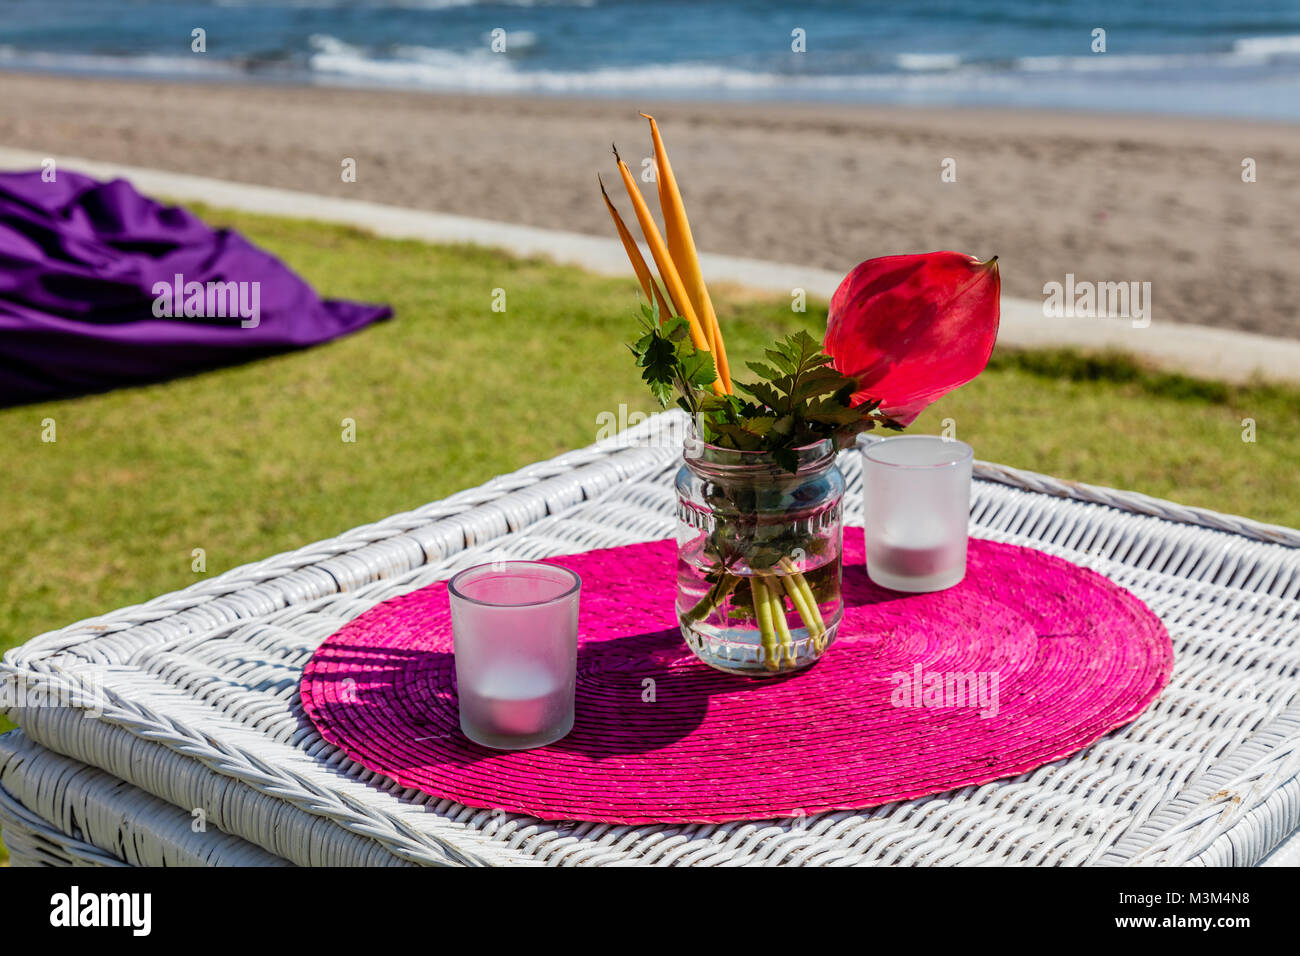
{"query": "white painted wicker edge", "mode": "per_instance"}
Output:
(1287, 853)
(52, 808)
(33, 841)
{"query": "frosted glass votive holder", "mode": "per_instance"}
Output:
(916, 512)
(515, 629)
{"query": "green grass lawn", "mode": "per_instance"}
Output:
(249, 461)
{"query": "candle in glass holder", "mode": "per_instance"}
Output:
(517, 699)
(915, 566)
(515, 626)
(917, 507)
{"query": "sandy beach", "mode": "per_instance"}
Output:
(1105, 198)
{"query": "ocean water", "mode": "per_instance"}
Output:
(1221, 59)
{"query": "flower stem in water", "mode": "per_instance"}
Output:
(778, 619)
(766, 634)
(816, 624)
(799, 598)
(715, 597)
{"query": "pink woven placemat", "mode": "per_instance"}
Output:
(661, 738)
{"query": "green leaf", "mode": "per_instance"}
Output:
(845, 395)
(677, 330)
(784, 426)
(763, 371)
(765, 393)
(697, 368)
(787, 459)
(781, 361)
(831, 412)
(818, 381)
(725, 404)
(798, 398)
(737, 436)
(657, 356)
(641, 346)
(662, 392)
(797, 353)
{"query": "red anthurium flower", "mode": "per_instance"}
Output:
(912, 328)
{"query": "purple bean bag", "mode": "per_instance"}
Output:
(101, 286)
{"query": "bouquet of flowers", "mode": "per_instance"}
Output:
(902, 331)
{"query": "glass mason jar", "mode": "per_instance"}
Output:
(758, 557)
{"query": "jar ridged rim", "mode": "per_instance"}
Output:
(812, 456)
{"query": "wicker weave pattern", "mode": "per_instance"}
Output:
(82, 800)
(33, 841)
(205, 680)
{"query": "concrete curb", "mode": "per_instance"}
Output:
(1197, 350)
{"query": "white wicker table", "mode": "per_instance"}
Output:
(202, 755)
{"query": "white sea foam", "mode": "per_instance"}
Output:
(1252, 51)
(909, 76)
(1268, 46)
(482, 70)
(928, 61)
(149, 63)
(1118, 63)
